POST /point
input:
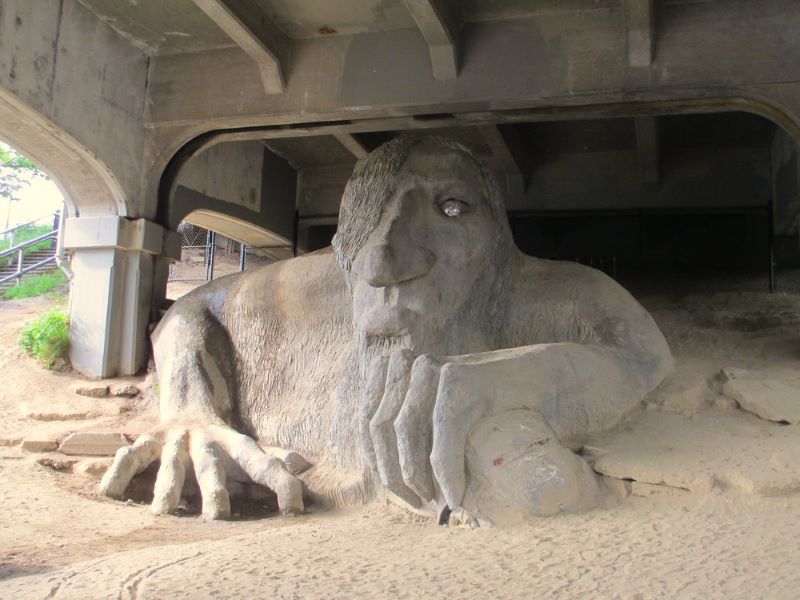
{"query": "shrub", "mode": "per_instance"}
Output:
(36, 285)
(47, 337)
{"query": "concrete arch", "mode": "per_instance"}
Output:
(88, 185)
(237, 229)
(182, 146)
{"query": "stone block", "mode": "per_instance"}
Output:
(124, 390)
(91, 443)
(92, 390)
(6, 442)
(35, 444)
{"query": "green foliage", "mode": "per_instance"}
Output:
(47, 337)
(11, 158)
(36, 285)
(16, 172)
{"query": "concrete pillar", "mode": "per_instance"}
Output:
(115, 262)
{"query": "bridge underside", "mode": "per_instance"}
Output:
(606, 120)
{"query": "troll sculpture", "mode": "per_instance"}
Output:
(424, 356)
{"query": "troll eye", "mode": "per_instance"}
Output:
(451, 207)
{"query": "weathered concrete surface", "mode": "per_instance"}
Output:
(92, 443)
(104, 94)
(518, 471)
(774, 396)
(711, 449)
(86, 80)
(115, 264)
(424, 321)
(244, 181)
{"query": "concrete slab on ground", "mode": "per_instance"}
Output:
(71, 408)
(725, 449)
(771, 396)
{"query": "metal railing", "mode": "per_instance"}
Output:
(19, 251)
(14, 257)
(206, 255)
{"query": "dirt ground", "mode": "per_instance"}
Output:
(687, 522)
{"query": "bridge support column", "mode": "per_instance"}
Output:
(116, 263)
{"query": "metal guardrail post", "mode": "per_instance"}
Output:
(296, 230)
(242, 256)
(210, 253)
(19, 265)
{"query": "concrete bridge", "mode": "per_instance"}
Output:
(239, 115)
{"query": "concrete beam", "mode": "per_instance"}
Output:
(510, 155)
(364, 76)
(640, 31)
(439, 25)
(647, 148)
(349, 141)
(254, 33)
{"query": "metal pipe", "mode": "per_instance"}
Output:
(771, 244)
(296, 232)
(210, 253)
(19, 265)
(61, 255)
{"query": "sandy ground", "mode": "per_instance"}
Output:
(718, 539)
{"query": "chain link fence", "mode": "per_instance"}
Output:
(207, 255)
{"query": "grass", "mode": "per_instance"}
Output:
(46, 338)
(36, 285)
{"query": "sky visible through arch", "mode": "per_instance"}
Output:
(37, 197)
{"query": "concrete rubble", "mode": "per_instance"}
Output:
(124, 390)
(58, 462)
(90, 390)
(91, 443)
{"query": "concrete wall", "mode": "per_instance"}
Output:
(80, 75)
(786, 184)
(242, 180)
(228, 172)
(610, 180)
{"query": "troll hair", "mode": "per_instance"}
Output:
(374, 182)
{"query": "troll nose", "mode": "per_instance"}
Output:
(387, 265)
